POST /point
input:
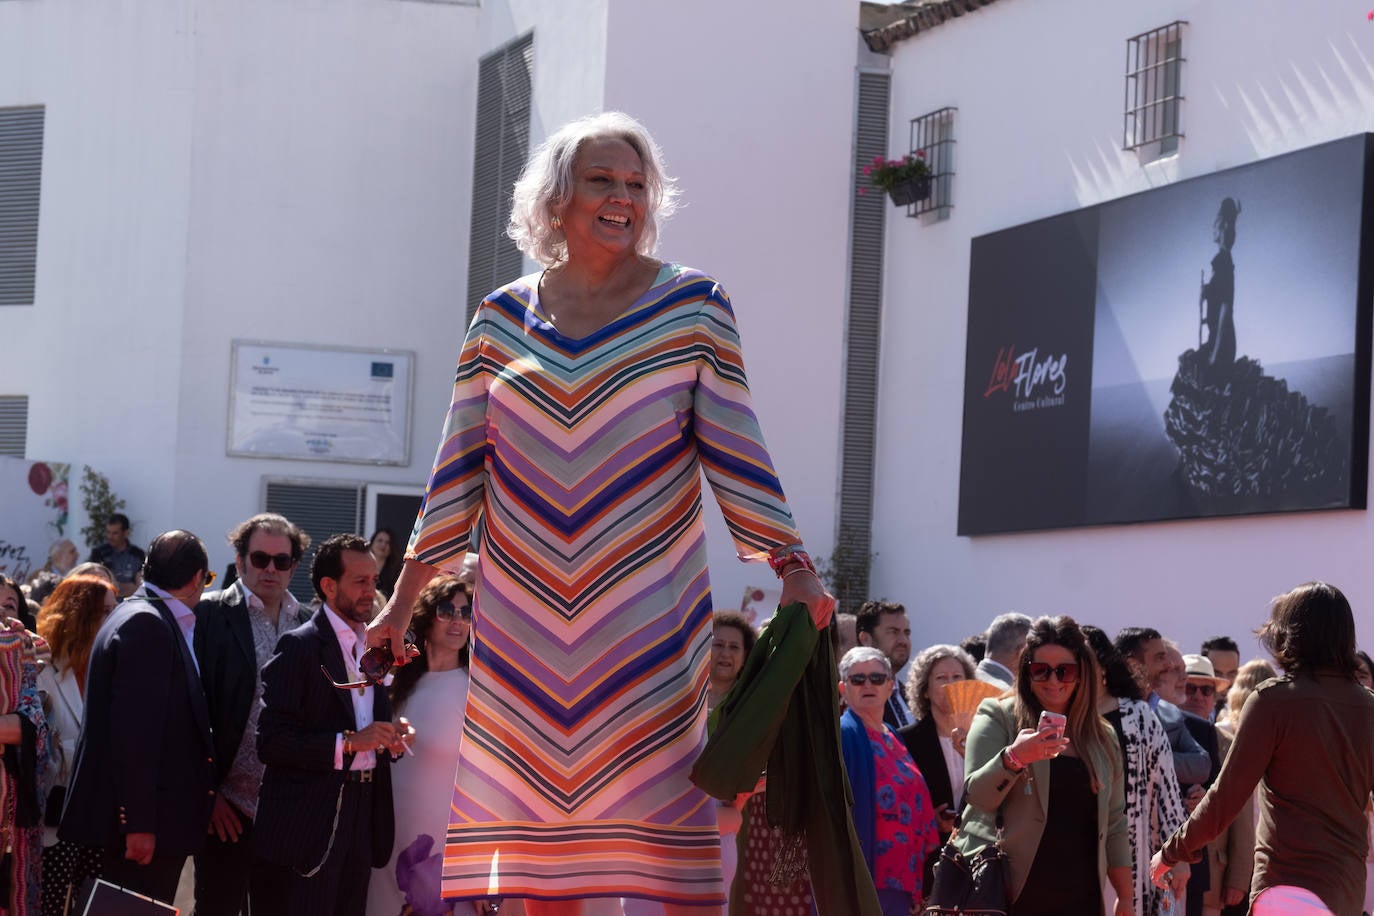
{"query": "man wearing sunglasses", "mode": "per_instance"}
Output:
(237, 629)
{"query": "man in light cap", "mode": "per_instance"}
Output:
(1201, 686)
(1231, 856)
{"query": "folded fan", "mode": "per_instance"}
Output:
(964, 697)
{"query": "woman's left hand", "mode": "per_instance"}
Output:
(806, 588)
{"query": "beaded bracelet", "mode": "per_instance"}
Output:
(783, 557)
(1010, 755)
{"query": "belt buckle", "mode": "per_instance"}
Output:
(364, 775)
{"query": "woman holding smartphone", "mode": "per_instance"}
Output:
(1045, 779)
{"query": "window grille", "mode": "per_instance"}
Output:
(14, 425)
(1154, 71)
(502, 142)
(932, 137)
(322, 508)
(21, 170)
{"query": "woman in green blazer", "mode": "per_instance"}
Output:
(1061, 798)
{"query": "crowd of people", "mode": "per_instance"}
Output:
(504, 712)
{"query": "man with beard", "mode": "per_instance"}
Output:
(325, 817)
(885, 626)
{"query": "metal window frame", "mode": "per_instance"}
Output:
(1150, 112)
(933, 135)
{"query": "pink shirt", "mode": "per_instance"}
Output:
(907, 831)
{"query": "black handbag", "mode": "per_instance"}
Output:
(977, 885)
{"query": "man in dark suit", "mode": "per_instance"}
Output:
(143, 783)
(1144, 648)
(325, 816)
(237, 630)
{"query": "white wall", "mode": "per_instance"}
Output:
(97, 355)
(293, 170)
(330, 196)
(753, 106)
(1039, 88)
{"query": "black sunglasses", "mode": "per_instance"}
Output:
(1041, 671)
(445, 610)
(1206, 690)
(876, 678)
(260, 559)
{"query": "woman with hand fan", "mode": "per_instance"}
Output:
(937, 676)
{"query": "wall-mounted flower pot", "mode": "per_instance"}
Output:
(910, 191)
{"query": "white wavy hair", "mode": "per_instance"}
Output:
(860, 654)
(546, 183)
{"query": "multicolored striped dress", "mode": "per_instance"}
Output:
(580, 461)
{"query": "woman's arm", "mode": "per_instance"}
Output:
(10, 732)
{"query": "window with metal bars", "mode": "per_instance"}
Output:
(932, 138)
(21, 172)
(1154, 90)
(501, 145)
(14, 425)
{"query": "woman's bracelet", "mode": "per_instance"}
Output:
(348, 741)
(783, 557)
(796, 569)
(1011, 761)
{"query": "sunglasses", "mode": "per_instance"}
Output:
(445, 610)
(1040, 672)
(373, 667)
(876, 678)
(260, 559)
(1207, 690)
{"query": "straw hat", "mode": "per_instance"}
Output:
(1199, 668)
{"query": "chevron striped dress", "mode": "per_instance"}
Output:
(581, 461)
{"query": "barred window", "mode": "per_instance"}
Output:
(1154, 96)
(932, 138)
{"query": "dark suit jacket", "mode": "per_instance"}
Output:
(228, 668)
(1191, 761)
(1205, 734)
(301, 716)
(144, 762)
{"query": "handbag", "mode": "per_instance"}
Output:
(976, 885)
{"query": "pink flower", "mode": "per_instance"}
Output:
(868, 170)
(920, 154)
(877, 160)
(1370, 17)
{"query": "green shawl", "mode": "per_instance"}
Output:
(784, 713)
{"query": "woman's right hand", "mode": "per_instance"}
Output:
(392, 622)
(1031, 745)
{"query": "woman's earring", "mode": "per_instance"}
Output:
(556, 222)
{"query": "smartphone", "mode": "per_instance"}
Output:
(1052, 721)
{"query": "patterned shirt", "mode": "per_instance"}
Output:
(907, 830)
(241, 785)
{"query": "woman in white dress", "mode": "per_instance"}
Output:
(431, 693)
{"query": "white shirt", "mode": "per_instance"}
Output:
(185, 617)
(351, 644)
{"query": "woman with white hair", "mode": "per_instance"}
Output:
(893, 815)
(589, 397)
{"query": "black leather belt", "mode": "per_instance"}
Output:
(359, 775)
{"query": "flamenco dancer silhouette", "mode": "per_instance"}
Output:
(1245, 442)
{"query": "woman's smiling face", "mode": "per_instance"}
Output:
(609, 198)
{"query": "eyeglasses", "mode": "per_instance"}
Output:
(209, 577)
(1040, 672)
(260, 559)
(1207, 690)
(445, 610)
(375, 664)
(876, 678)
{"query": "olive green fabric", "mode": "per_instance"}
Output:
(784, 713)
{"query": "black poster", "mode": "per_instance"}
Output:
(1197, 350)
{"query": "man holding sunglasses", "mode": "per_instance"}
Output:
(236, 631)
